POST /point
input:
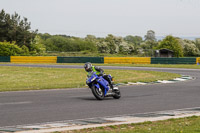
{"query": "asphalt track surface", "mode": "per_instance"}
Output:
(31, 107)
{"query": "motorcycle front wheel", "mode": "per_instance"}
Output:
(98, 93)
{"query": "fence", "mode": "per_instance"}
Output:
(106, 60)
(198, 60)
(127, 60)
(173, 60)
(33, 59)
(4, 58)
(80, 59)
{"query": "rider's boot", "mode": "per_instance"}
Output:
(114, 88)
(110, 83)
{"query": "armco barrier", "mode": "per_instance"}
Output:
(33, 59)
(106, 60)
(173, 60)
(80, 59)
(127, 60)
(198, 60)
(4, 58)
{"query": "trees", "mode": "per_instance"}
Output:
(103, 47)
(117, 45)
(37, 46)
(125, 48)
(197, 43)
(171, 43)
(149, 43)
(133, 39)
(148, 47)
(90, 38)
(61, 43)
(150, 36)
(15, 29)
(189, 48)
(112, 43)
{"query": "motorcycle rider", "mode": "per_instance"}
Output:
(99, 71)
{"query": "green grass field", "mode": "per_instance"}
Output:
(27, 78)
(183, 125)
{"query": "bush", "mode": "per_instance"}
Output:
(172, 43)
(25, 50)
(190, 49)
(66, 44)
(9, 49)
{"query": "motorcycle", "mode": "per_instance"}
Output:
(101, 88)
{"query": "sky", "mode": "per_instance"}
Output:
(101, 17)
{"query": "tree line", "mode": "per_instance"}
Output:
(17, 38)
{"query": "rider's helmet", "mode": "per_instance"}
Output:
(88, 67)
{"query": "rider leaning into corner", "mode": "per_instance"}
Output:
(99, 71)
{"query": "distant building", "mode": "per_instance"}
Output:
(164, 53)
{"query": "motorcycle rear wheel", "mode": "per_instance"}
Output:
(117, 94)
(98, 93)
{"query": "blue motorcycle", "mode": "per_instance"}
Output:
(101, 88)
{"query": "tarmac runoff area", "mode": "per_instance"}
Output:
(103, 121)
(109, 120)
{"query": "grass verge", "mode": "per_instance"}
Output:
(127, 65)
(159, 65)
(187, 66)
(182, 125)
(29, 78)
(143, 65)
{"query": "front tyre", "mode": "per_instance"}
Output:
(98, 93)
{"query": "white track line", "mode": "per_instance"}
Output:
(15, 103)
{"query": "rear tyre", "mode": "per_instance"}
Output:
(98, 93)
(117, 94)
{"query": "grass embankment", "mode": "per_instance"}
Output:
(183, 125)
(27, 78)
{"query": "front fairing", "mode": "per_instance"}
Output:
(97, 81)
(104, 84)
(91, 78)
